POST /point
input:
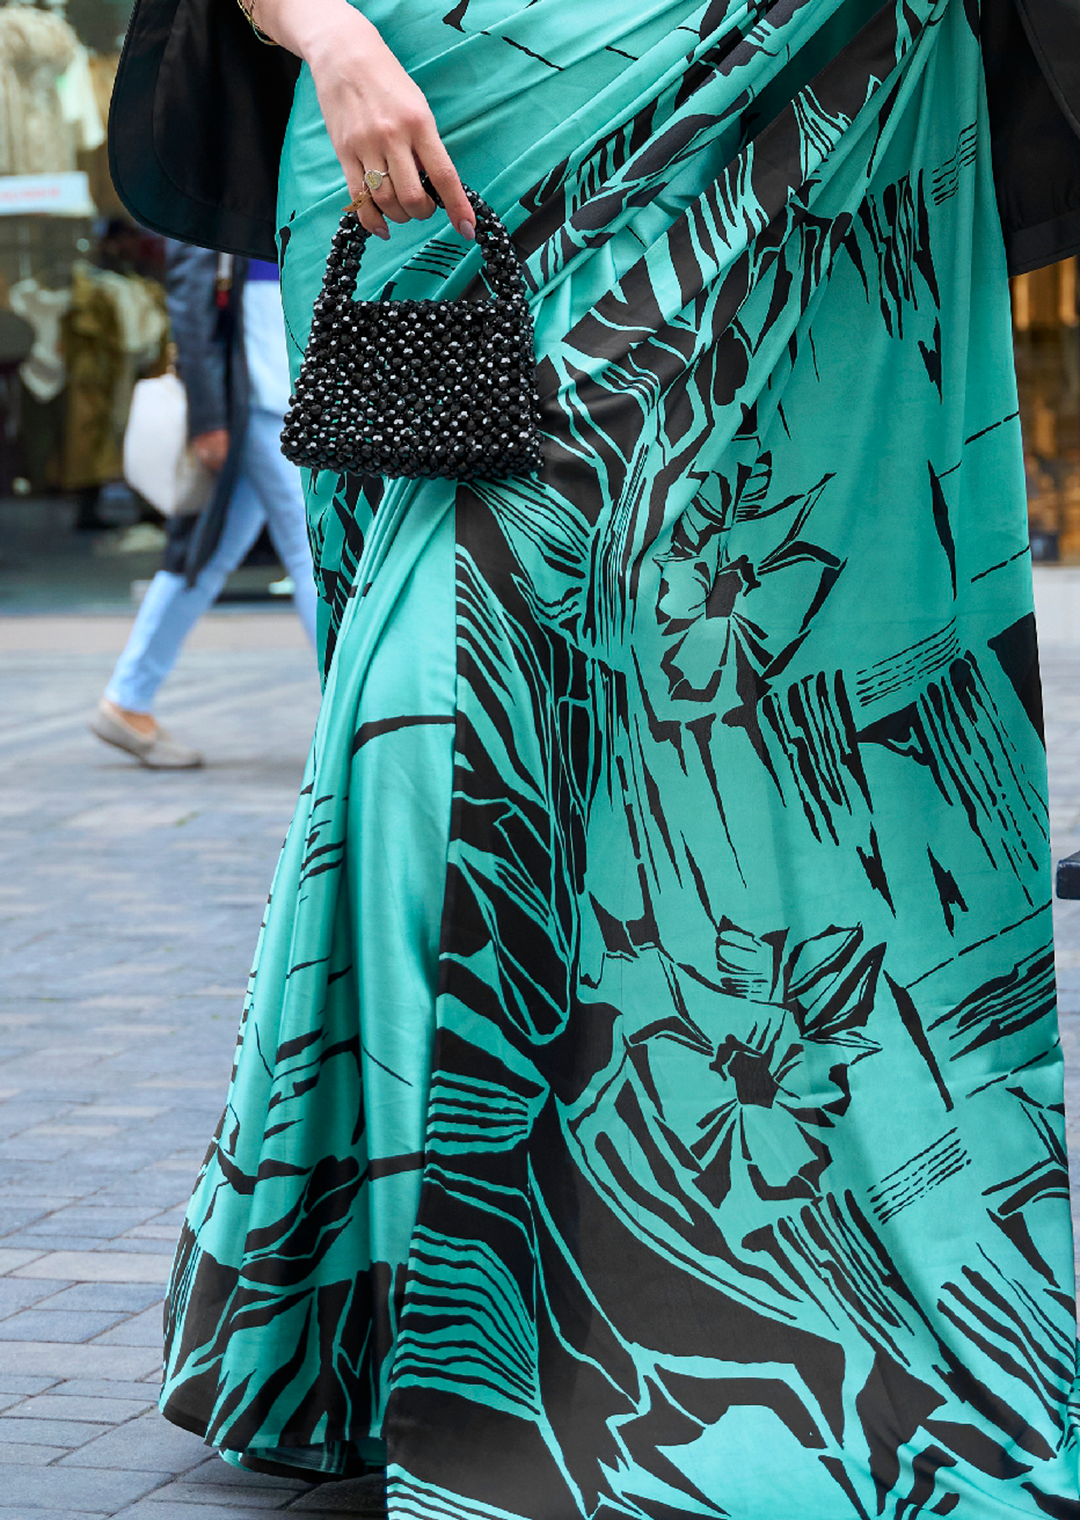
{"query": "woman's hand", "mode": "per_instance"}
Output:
(378, 119)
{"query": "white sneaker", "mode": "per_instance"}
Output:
(157, 751)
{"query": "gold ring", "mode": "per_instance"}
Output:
(373, 179)
(361, 200)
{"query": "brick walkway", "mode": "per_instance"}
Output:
(129, 904)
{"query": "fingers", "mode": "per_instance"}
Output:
(411, 196)
(435, 160)
(401, 197)
(372, 218)
(212, 448)
(385, 197)
(367, 213)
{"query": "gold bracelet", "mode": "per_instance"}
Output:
(248, 8)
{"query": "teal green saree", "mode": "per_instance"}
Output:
(649, 1097)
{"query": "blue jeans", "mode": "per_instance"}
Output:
(267, 493)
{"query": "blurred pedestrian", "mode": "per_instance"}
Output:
(230, 335)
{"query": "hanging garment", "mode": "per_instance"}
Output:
(115, 331)
(36, 48)
(649, 1095)
(95, 357)
(142, 322)
(44, 371)
(102, 79)
(79, 102)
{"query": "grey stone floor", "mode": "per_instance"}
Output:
(129, 904)
(46, 567)
(1061, 695)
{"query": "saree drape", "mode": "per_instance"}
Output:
(649, 1097)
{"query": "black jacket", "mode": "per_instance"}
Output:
(200, 107)
(208, 330)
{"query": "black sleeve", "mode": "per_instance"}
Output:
(196, 125)
(1031, 52)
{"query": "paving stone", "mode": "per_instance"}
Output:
(10, 1259)
(13, 1218)
(29, 1148)
(164, 1250)
(152, 1508)
(24, 1386)
(140, 1330)
(155, 1189)
(63, 1433)
(66, 1406)
(128, 1298)
(50, 1514)
(215, 1470)
(63, 1179)
(58, 1241)
(20, 1293)
(25, 1487)
(102, 1388)
(125, 1363)
(27, 1454)
(177, 1215)
(97, 1223)
(99, 1266)
(77, 1132)
(219, 1494)
(128, 1110)
(68, 1325)
(36, 1186)
(148, 1441)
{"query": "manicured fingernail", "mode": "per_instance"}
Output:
(383, 232)
(467, 230)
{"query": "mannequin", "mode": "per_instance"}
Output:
(36, 48)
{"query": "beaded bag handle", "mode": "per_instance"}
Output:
(502, 268)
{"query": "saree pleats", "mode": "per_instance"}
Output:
(649, 1096)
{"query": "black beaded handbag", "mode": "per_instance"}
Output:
(409, 389)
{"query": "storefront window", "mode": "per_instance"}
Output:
(1047, 333)
(81, 304)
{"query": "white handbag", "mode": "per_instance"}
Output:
(159, 462)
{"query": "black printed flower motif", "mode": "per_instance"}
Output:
(748, 1093)
(767, 1120)
(711, 602)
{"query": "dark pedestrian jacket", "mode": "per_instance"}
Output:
(200, 107)
(206, 317)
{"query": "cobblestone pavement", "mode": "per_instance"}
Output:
(129, 905)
